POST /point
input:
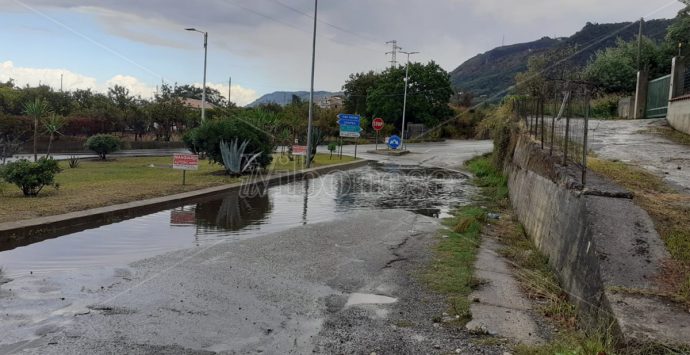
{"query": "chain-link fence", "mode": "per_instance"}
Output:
(559, 122)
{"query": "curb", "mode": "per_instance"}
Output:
(15, 234)
(394, 153)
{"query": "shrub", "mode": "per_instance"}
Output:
(31, 177)
(103, 144)
(332, 146)
(206, 139)
(605, 106)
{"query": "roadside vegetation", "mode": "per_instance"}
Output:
(96, 183)
(451, 272)
(537, 278)
(669, 211)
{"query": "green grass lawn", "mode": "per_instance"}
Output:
(102, 183)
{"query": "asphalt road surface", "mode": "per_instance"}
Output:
(346, 286)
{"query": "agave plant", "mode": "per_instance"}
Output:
(234, 158)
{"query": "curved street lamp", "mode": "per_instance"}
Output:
(203, 93)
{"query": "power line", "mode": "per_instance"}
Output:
(306, 14)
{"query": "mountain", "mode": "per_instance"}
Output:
(493, 72)
(285, 97)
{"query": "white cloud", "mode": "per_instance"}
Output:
(240, 95)
(46, 76)
(71, 81)
(133, 84)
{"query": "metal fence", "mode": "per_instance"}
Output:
(559, 123)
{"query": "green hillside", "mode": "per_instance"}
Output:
(493, 73)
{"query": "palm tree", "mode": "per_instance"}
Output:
(36, 110)
(52, 126)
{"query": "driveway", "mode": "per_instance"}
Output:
(630, 141)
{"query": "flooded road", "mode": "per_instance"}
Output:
(328, 265)
(234, 216)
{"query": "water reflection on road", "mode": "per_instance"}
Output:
(238, 215)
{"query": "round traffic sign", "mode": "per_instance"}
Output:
(394, 142)
(377, 124)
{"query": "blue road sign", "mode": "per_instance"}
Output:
(394, 142)
(348, 120)
(349, 125)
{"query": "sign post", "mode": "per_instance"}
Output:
(349, 127)
(185, 162)
(377, 124)
(299, 150)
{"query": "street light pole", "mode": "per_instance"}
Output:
(407, 77)
(203, 93)
(311, 92)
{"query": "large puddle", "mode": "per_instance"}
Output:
(239, 214)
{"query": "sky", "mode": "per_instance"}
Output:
(265, 45)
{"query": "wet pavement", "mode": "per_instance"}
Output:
(631, 142)
(234, 216)
(331, 271)
(450, 154)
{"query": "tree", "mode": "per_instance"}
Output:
(14, 131)
(614, 70)
(545, 70)
(678, 32)
(167, 111)
(52, 126)
(356, 89)
(36, 110)
(128, 111)
(194, 92)
(103, 144)
(427, 97)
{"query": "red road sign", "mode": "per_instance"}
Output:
(182, 217)
(299, 150)
(186, 161)
(377, 124)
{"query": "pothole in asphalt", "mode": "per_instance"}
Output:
(368, 298)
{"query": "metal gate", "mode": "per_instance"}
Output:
(657, 97)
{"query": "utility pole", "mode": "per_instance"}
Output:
(229, 90)
(393, 52)
(639, 45)
(311, 92)
(61, 82)
(407, 78)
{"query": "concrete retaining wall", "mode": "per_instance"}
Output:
(604, 248)
(679, 114)
(555, 218)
